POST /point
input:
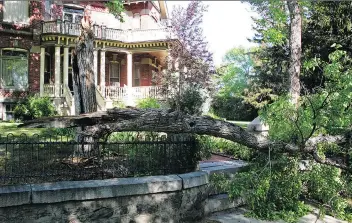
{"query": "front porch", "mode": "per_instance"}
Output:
(120, 75)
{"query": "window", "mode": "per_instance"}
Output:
(16, 11)
(136, 74)
(72, 15)
(115, 73)
(47, 9)
(14, 68)
(9, 111)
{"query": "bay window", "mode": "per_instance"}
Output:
(14, 68)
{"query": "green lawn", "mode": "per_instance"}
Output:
(11, 128)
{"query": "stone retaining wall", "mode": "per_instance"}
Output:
(173, 198)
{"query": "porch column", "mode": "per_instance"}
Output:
(130, 99)
(42, 69)
(66, 49)
(102, 71)
(95, 54)
(57, 71)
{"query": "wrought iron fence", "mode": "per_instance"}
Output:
(38, 159)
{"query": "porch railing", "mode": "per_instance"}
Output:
(116, 93)
(103, 32)
(146, 92)
(49, 90)
(120, 93)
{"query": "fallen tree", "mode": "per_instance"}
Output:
(100, 124)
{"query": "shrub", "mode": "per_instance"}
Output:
(210, 144)
(34, 107)
(148, 103)
(190, 101)
(233, 108)
(118, 104)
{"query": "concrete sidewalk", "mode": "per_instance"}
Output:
(237, 216)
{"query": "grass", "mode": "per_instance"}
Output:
(240, 123)
(11, 128)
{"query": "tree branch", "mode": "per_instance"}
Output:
(118, 120)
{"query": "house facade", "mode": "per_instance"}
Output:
(37, 37)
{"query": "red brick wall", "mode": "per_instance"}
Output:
(34, 72)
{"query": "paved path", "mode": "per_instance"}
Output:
(237, 216)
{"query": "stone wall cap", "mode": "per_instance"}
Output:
(99, 189)
(194, 179)
(14, 195)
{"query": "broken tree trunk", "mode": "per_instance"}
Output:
(84, 80)
(99, 124)
(83, 70)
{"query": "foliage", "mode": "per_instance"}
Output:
(116, 8)
(190, 64)
(118, 104)
(148, 103)
(233, 108)
(270, 189)
(325, 184)
(210, 144)
(190, 101)
(233, 83)
(326, 111)
(324, 23)
(235, 71)
(34, 107)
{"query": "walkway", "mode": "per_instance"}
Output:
(237, 216)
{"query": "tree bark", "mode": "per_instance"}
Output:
(83, 69)
(295, 50)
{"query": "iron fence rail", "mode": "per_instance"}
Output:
(38, 159)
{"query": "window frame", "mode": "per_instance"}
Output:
(134, 75)
(119, 72)
(75, 12)
(13, 87)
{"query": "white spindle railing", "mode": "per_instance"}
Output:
(146, 92)
(71, 28)
(102, 32)
(149, 35)
(116, 93)
(49, 90)
(70, 100)
(50, 27)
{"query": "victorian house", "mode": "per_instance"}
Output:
(37, 37)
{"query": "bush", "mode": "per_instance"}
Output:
(190, 101)
(233, 108)
(210, 144)
(34, 107)
(148, 103)
(271, 191)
